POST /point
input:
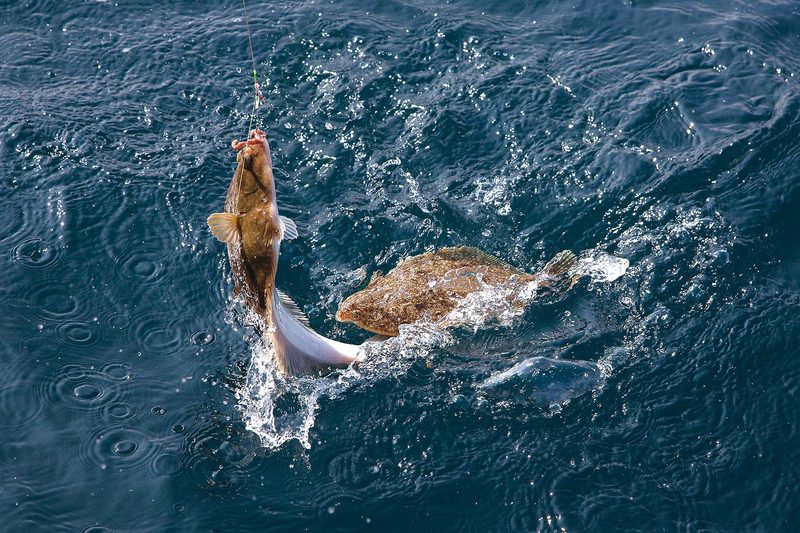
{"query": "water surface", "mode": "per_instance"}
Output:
(133, 396)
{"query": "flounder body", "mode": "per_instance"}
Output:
(431, 285)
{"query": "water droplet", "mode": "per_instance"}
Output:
(125, 447)
(87, 392)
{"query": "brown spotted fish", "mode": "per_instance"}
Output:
(431, 285)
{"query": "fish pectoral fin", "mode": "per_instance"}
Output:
(288, 229)
(224, 226)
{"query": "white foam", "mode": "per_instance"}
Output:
(600, 267)
(491, 305)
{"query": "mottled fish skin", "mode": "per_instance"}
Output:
(430, 285)
(251, 195)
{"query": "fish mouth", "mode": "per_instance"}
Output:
(256, 137)
(256, 143)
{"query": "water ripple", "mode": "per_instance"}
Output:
(37, 253)
(118, 449)
(159, 333)
(85, 388)
(663, 399)
(80, 334)
(19, 409)
(215, 464)
(56, 302)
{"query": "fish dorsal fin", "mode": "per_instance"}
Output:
(468, 253)
(560, 263)
(224, 226)
(377, 275)
(288, 229)
(292, 308)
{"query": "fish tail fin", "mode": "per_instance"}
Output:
(224, 226)
(298, 348)
(560, 264)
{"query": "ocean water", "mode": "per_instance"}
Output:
(659, 395)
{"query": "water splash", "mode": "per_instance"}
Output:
(600, 266)
(277, 409)
(280, 409)
(501, 304)
(492, 305)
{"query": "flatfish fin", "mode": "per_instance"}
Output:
(471, 255)
(376, 276)
(293, 308)
(560, 264)
(224, 226)
(288, 229)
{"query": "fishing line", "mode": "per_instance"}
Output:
(256, 98)
(256, 90)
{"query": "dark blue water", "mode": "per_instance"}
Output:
(133, 397)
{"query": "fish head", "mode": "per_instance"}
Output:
(345, 311)
(353, 307)
(360, 306)
(254, 155)
(373, 312)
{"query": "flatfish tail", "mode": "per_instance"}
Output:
(560, 264)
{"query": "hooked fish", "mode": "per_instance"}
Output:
(253, 229)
